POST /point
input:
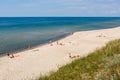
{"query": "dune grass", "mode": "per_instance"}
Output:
(102, 64)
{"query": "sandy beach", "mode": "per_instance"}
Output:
(32, 63)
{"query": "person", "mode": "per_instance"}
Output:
(50, 43)
(57, 43)
(72, 33)
(70, 55)
(29, 47)
(8, 54)
(12, 56)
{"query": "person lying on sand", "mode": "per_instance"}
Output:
(101, 35)
(61, 44)
(73, 56)
(11, 56)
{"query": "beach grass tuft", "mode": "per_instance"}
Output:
(102, 64)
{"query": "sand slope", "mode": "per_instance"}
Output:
(30, 64)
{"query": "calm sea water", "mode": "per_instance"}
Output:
(17, 33)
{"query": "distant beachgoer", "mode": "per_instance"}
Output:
(101, 35)
(8, 54)
(72, 33)
(78, 56)
(12, 56)
(61, 44)
(57, 43)
(29, 47)
(50, 43)
(70, 55)
(73, 56)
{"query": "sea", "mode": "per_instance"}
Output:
(17, 33)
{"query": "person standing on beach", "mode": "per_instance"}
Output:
(72, 33)
(57, 43)
(29, 47)
(50, 43)
(8, 54)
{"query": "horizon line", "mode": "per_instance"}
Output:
(57, 16)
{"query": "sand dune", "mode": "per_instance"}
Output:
(30, 64)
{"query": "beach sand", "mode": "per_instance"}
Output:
(32, 63)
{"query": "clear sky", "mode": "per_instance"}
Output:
(60, 8)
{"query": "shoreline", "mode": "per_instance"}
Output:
(29, 64)
(47, 41)
(37, 45)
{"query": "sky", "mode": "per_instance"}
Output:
(77, 8)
